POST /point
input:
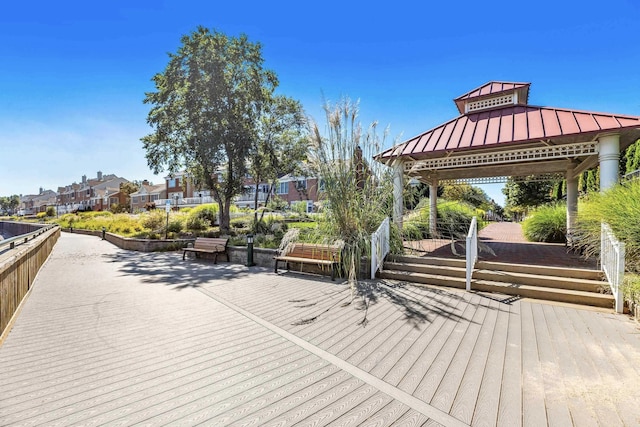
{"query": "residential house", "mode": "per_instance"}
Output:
(34, 203)
(98, 193)
(148, 193)
(181, 192)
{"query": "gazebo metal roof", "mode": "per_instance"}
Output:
(495, 118)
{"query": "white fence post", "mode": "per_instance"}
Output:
(471, 250)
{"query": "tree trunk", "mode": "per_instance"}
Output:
(266, 200)
(255, 203)
(225, 217)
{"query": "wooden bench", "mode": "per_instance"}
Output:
(208, 245)
(309, 253)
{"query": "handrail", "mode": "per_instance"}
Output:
(472, 250)
(612, 253)
(24, 238)
(379, 246)
(631, 175)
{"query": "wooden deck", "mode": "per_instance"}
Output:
(110, 337)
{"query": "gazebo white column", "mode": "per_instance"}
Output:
(433, 207)
(398, 204)
(572, 199)
(609, 157)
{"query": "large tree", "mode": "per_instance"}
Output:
(10, 204)
(206, 110)
(527, 194)
(282, 144)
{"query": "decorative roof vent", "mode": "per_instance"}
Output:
(493, 95)
(488, 103)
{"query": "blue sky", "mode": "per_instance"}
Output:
(73, 74)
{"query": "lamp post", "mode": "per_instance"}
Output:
(250, 262)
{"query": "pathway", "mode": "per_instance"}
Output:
(110, 337)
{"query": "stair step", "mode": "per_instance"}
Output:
(578, 273)
(516, 278)
(427, 279)
(549, 294)
(527, 291)
(450, 262)
(443, 270)
(510, 277)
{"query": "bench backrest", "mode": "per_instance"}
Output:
(315, 251)
(210, 243)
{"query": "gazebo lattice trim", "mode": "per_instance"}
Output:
(503, 179)
(580, 149)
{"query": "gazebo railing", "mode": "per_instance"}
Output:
(471, 250)
(379, 246)
(612, 253)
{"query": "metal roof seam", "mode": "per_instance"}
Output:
(555, 113)
(544, 130)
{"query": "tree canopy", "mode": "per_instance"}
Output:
(282, 142)
(9, 203)
(205, 112)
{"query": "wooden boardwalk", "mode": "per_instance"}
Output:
(110, 337)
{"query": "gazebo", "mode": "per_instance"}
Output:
(499, 135)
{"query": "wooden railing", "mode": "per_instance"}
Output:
(18, 269)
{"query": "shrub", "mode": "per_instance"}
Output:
(175, 226)
(153, 220)
(453, 220)
(195, 223)
(546, 223)
(207, 213)
(51, 211)
(620, 208)
(631, 288)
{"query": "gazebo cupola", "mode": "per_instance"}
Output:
(493, 95)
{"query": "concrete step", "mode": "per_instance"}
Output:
(526, 291)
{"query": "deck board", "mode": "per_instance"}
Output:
(510, 407)
(153, 341)
(581, 412)
(467, 393)
(486, 407)
(454, 377)
(441, 356)
(534, 412)
(592, 383)
(555, 395)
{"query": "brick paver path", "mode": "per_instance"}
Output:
(505, 242)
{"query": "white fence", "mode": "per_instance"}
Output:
(612, 255)
(472, 250)
(379, 246)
